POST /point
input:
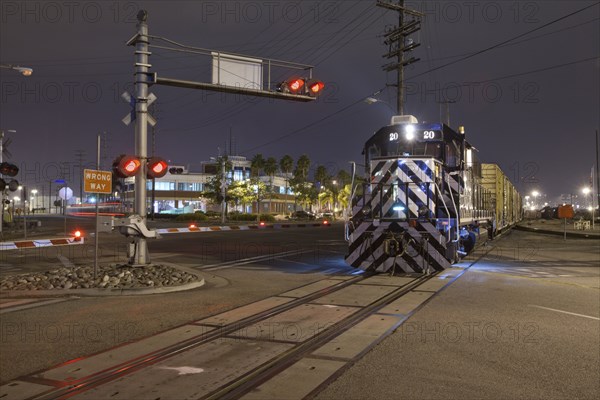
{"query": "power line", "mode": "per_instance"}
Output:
(505, 41)
(381, 90)
(310, 125)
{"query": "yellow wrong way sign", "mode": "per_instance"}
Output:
(97, 181)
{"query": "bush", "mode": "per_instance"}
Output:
(191, 217)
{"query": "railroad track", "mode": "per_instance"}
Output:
(381, 295)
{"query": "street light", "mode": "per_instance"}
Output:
(25, 71)
(33, 196)
(373, 100)
(535, 194)
(586, 190)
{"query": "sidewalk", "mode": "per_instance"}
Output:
(557, 227)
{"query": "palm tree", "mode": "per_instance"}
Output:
(257, 164)
(286, 164)
(270, 168)
(300, 178)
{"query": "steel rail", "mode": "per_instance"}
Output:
(117, 371)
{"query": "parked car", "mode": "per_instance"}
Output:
(303, 215)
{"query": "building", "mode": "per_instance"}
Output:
(184, 191)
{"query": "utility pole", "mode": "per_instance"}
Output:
(447, 103)
(80, 154)
(409, 22)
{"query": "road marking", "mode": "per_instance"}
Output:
(564, 312)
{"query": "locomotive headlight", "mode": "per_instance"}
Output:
(409, 132)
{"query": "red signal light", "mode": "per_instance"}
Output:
(315, 87)
(296, 85)
(131, 166)
(77, 235)
(126, 165)
(293, 85)
(156, 168)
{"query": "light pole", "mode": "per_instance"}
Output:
(535, 194)
(586, 191)
(33, 197)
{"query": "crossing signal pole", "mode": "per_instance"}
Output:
(303, 89)
(409, 22)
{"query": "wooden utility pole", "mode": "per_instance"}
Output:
(409, 22)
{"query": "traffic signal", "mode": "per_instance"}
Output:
(301, 86)
(175, 171)
(156, 168)
(126, 165)
(8, 169)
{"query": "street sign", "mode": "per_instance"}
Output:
(97, 181)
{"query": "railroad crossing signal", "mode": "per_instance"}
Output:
(126, 165)
(301, 86)
(129, 118)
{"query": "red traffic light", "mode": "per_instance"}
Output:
(156, 168)
(315, 87)
(77, 236)
(126, 165)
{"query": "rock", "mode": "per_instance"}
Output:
(105, 278)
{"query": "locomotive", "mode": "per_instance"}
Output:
(426, 200)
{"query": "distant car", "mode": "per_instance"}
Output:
(303, 215)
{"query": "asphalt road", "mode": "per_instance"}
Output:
(523, 322)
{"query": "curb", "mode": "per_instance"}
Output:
(98, 292)
(192, 228)
(573, 235)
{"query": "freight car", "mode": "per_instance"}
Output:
(426, 199)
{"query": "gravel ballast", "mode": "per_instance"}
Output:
(108, 277)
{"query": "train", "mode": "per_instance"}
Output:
(426, 201)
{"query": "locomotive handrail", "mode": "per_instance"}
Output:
(455, 209)
(447, 211)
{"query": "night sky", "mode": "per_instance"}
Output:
(531, 105)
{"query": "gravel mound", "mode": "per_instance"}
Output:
(109, 277)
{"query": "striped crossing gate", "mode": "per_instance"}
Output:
(400, 191)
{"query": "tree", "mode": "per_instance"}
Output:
(286, 164)
(213, 189)
(257, 164)
(299, 180)
(270, 168)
